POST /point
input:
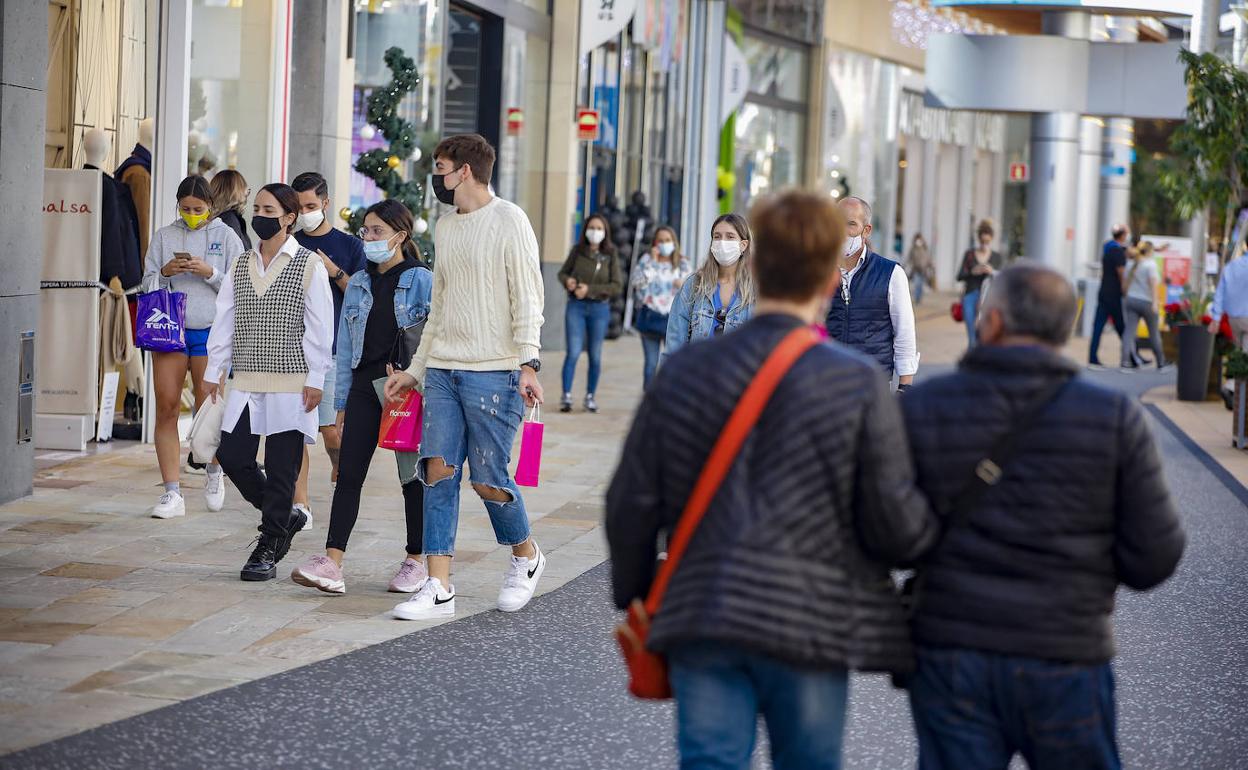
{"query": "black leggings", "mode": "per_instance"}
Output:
(359, 441)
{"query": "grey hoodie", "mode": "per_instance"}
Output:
(215, 243)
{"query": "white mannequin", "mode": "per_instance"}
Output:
(147, 133)
(95, 146)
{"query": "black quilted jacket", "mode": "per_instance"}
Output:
(792, 557)
(1082, 507)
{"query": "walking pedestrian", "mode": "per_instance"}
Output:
(478, 364)
(342, 255)
(1052, 494)
(1231, 299)
(719, 297)
(383, 303)
(872, 312)
(921, 269)
(272, 329)
(979, 265)
(191, 256)
(591, 275)
(656, 279)
(784, 586)
(230, 194)
(1140, 286)
(1109, 297)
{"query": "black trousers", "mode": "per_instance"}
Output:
(1106, 309)
(283, 456)
(359, 440)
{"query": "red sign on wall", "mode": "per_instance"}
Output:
(515, 121)
(587, 125)
(1019, 172)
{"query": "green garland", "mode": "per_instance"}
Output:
(375, 164)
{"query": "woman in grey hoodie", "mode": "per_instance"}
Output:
(192, 256)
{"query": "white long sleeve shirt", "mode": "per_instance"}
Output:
(901, 311)
(271, 413)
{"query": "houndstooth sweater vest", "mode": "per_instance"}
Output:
(268, 323)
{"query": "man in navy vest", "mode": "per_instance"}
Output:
(872, 312)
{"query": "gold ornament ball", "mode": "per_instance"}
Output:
(345, 213)
(393, 161)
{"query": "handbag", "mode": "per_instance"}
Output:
(529, 465)
(162, 321)
(649, 321)
(206, 428)
(955, 311)
(406, 342)
(648, 670)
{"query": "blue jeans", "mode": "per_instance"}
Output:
(473, 417)
(1106, 309)
(721, 690)
(585, 321)
(970, 308)
(974, 710)
(651, 346)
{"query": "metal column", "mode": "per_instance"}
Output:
(1118, 149)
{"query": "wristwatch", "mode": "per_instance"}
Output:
(340, 274)
(535, 365)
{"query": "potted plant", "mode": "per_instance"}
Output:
(1237, 370)
(1195, 344)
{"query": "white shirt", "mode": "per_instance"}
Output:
(272, 413)
(905, 344)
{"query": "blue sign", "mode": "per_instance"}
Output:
(1113, 170)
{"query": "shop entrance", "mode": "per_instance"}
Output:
(474, 78)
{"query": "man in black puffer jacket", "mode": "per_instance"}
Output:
(785, 583)
(1013, 621)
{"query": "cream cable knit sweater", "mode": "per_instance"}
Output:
(486, 311)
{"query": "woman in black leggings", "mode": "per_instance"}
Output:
(385, 306)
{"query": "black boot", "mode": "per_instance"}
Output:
(262, 564)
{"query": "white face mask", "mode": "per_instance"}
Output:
(595, 235)
(853, 245)
(667, 249)
(726, 253)
(310, 220)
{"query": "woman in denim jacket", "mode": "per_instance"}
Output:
(390, 295)
(720, 295)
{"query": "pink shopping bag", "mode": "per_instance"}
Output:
(400, 424)
(530, 462)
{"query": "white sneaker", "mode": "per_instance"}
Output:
(306, 511)
(431, 601)
(521, 581)
(170, 506)
(214, 491)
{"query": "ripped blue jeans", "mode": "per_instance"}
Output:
(471, 417)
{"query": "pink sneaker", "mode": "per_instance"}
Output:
(321, 573)
(410, 578)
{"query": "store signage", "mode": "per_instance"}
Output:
(1019, 172)
(1132, 7)
(587, 123)
(1111, 170)
(965, 128)
(515, 121)
(736, 79)
(602, 20)
(69, 302)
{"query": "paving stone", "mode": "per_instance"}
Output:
(41, 633)
(89, 571)
(173, 686)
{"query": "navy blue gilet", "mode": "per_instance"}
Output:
(864, 323)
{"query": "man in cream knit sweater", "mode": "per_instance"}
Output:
(477, 365)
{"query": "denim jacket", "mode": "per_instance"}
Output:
(411, 306)
(693, 318)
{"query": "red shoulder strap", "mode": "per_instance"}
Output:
(724, 453)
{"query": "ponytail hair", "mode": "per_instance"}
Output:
(399, 219)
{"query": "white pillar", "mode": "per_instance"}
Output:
(1088, 230)
(965, 199)
(1117, 149)
(927, 205)
(1204, 39)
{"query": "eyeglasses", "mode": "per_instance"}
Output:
(377, 231)
(721, 321)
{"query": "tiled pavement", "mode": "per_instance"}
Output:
(106, 613)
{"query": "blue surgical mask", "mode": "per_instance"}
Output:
(378, 252)
(667, 249)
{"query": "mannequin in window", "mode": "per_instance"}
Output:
(136, 174)
(119, 256)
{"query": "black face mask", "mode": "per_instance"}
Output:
(440, 191)
(266, 227)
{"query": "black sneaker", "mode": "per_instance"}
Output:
(262, 564)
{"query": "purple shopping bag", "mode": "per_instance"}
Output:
(530, 462)
(161, 321)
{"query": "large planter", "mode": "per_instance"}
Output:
(1195, 357)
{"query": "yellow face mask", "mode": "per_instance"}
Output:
(193, 221)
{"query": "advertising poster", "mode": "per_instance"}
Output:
(69, 307)
(1174, 260)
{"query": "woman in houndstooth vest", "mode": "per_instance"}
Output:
(273, 331)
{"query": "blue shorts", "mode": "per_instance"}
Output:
(197, 342)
